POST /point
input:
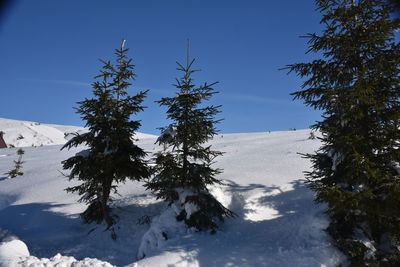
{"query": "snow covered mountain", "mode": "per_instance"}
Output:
(277, 223)
(27, 133)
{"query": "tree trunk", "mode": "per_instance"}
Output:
(104, 200)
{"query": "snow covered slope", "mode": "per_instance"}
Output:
(27, 133)
(278, 224)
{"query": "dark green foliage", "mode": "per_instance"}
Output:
(356, 84)
(312, 136)
(183, 170)
(18, 165)
(209, 213)
(111, 156)
(93, 212)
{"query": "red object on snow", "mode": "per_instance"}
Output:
(2, 142)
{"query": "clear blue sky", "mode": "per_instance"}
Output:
(49, 53)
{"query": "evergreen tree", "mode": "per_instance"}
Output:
(183, 170)
(356, 84)
(18, 165)
(111, 157)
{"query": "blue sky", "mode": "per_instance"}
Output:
(49, 53)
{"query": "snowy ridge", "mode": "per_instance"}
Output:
(27, 133)
(278, 223)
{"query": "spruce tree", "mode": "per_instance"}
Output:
(356, 85)
(111, 156)
(18, 165)
(184, 169)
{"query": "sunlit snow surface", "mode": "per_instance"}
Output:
(257, 211)
(277, 223)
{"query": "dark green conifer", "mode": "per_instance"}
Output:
(111, 156)
(184, 169)
(357, 85)
(18, 165)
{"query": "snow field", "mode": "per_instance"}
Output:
(277, 222)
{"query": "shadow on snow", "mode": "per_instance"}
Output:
(294, 237)
(47, 233)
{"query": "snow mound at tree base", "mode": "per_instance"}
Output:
(163, 227)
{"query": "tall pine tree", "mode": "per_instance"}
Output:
(184, 169)
(111, 156)
(357, 85)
